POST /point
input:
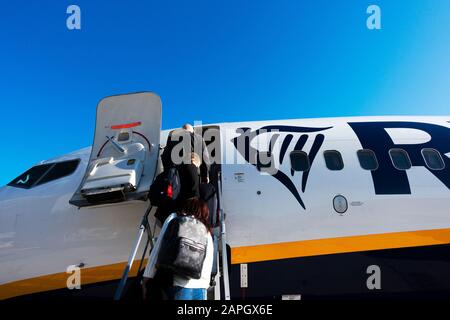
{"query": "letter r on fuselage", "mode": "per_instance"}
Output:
(389, 180)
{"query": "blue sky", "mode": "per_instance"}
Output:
(213, 61)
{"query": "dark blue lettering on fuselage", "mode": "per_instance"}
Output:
(387, 179)
(372, 135)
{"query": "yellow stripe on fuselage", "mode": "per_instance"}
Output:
(246, 254)
(307, 248)
(59, 280)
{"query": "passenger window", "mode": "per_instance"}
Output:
(400, 159)
(60, 170)
(299, 161)
(433, 159)
(367, 159)
(30, 177)
(333, 160)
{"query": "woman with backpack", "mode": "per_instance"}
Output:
(188, 251)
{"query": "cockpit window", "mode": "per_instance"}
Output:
(30, 177)
(44, 173)
(60, 170)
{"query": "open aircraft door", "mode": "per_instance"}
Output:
(125, 152)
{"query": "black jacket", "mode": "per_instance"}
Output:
(197, 144)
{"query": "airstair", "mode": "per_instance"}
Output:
(222, 259)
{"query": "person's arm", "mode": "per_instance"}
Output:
(166, 157)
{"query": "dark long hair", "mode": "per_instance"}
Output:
(199, 209)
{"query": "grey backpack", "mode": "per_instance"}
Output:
(183, 247)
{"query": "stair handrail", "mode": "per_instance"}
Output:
(223, 240)
(142, 227)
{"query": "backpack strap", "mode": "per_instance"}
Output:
(215, 267)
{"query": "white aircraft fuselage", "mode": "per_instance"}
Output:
(318, 230)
